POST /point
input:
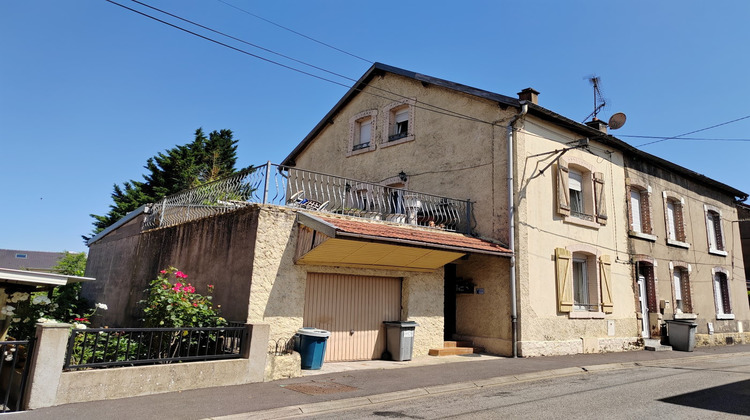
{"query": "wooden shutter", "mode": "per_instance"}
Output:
(563, 195)
(605, 275)
(599, 198)
(563, 258)
(679, 222)
(719, 236)
(724, 288)
(687, 304)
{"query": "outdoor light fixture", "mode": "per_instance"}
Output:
(402, 176)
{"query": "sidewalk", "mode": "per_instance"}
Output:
(359, 383)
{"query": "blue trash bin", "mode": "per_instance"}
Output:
(312, 347)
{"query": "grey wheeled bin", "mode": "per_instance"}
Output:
(681, 335)
(399, 337)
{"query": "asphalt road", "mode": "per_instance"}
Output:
(685, 389)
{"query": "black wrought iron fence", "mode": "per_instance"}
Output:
(14, 370)
(113, 347)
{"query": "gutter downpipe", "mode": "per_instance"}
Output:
(512, 226)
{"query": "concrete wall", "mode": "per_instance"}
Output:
(217, 250)
(48, 385)
(701, 262)
(543, 330)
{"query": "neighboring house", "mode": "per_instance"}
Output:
(29, 260)
(574, 259)
(686, 250)
(743, 213)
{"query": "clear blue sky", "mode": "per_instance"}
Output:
(89, 90)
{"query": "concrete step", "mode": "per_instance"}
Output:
(452, 348)
(451, 351)
(654, 344)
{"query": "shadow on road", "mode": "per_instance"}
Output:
(732, 398)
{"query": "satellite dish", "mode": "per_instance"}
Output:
(616, 121)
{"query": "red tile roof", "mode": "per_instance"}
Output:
(413, 234)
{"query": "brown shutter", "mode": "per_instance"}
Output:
(605, 275)
(646, 212)
(563, 257)
(719, 237)
(687, 304)
(679, 222)
(724, 286)
(599, 200)
(563, 193)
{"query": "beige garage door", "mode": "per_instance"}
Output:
(353, 309)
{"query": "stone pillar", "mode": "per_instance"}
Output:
(256, 351)
(47, 363)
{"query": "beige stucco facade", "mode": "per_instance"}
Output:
(690, 253)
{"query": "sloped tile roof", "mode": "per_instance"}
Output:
(37, 260)
(349, 227)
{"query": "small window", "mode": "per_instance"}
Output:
(635, 208)
(581, 296)
(715, 237)
(399, 123)
(575, 188)
(22, 256)
(721, 294)
(363, 134)
(671, 220)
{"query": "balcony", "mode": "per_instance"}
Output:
(312, 191)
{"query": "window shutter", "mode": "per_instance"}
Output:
(724, 285)
(679, 222)
(601, 204)
(563, 195)
(646, 212)
(687, 303)
(605, 274)
(719, 237)
(563, 258)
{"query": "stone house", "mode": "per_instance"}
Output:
(572, 286)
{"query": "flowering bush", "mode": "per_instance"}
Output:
(172, 302)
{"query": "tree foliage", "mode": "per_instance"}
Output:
(205, 159)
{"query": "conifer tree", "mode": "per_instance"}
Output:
(203, 160)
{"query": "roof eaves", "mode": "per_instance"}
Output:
(128, 217)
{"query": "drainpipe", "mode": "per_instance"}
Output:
(512, 226)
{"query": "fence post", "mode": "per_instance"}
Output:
(268, 180)
(256, 350)
(47, 362)
(468, 217)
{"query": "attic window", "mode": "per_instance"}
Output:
(399, 123)
(22, 256)
(362, 129)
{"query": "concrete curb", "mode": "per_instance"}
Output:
(291, 411)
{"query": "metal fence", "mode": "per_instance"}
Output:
(275, 184)
(110, 347)
(14, 371)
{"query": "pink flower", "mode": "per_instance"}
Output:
(180, 275)
(163, 271)
(195, 304)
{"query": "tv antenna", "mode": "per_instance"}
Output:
(617, 120)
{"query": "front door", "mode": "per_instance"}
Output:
(643, 306)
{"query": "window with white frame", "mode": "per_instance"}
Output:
(583, 283)
(675, 220)
(635, 208)
(399, 123)
(362, 129)
(721, 296)
(714, 231)
(580, 193)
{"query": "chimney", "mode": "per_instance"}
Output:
(530, 95)
(598, 124)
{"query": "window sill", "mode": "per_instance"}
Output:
(679, 244)
(717, 252)
(641, 235)
(585, 315)
(685, 316)
(580, 222)
(724, 316)
(360, 151)
(404, 139)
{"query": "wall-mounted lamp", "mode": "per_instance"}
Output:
(402, 176)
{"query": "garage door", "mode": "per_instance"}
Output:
(353, 309)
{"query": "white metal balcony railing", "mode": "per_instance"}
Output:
(281, 185)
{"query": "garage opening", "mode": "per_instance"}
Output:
(353, 309)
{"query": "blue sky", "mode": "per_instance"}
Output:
(89, 90)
